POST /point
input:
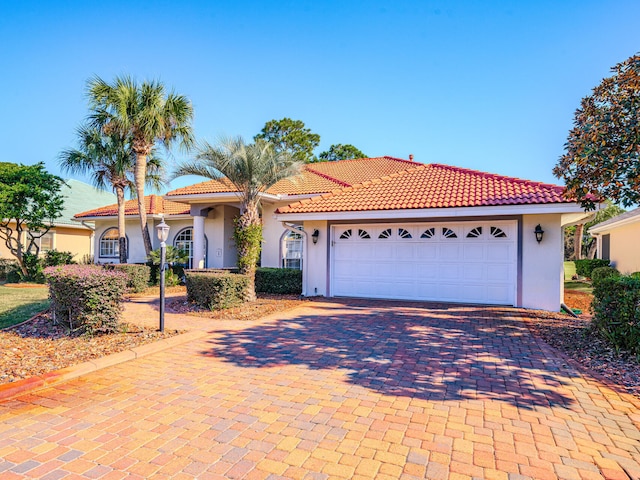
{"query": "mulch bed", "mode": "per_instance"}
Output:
(573, 337)
(37, 346)
(263, 306)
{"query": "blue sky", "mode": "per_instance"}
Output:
(485, 85)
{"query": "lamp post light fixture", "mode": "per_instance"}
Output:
(539, 233)
(163, 233)
(315, 235)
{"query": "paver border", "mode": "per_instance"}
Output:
(49, 379)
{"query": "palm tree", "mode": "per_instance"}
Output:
(145, 115)
(110, 162)
(252, 168)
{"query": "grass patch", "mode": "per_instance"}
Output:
(569, 270)
(20, 304)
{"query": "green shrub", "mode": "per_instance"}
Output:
(585, 266)
(278, 280)
(53, 258)
(216, 291)
(137, 275)
(14, 276)
(34, 266)
(635, 275)
(600, 273)
(7, 265)
(616, 312)
(87, 299)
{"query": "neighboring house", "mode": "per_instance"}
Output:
(617, 240)
(66, 234)
(382, 228)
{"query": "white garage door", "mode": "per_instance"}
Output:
(466, 262)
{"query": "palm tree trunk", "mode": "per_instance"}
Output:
(140, 174)
(248, 242)
(122, 237)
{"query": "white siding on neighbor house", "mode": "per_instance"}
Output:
(542, 263)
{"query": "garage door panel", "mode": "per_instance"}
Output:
(479, 268)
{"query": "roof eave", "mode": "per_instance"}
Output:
(528, 209)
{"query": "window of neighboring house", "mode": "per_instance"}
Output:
(109, 245)
(184, 241)
(606, 247)
(292, 249)
(46, 242)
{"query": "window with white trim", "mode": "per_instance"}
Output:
(292, 244)
(109, 246)
(184, 241)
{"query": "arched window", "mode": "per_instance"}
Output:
(291, 249)
(109, 246)
(184, 241)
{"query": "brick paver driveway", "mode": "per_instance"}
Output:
(334, 390)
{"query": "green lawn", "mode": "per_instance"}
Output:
(20, 304)
(570, 271)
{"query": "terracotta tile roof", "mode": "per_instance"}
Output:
(210, 186)
(154, 205)
(431, 186)
(320, 177)
(360, 170)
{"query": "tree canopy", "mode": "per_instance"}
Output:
(341, 152)
(30, 200)
(287, 135)
(252, 168)
(602, 152)
(145, 115)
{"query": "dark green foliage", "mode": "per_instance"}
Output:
(279, 280)
(341, 152)
(585, 266)
(616, 309)
(137, 275)
(216, 291)
(602, 150)
(6, 267)
(635, 275)
(34, 266)
(600, 273)
(86, 298)
(53, 258)
(291, 136)
(30, 200)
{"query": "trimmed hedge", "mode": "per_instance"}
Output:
(600, 273)
(216, 291)
(616, 312)
(137, 275)
(585, 266)
(279, 280)
(85, 298)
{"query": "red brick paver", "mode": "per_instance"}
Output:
(347, 390)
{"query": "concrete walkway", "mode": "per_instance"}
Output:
(331, 390)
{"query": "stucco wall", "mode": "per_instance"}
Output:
(317, 259)
(272, 231)
(624, 251)
(74, 240)
(542, 264)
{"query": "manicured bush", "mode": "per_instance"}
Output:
(137, 275)
(279, 280)
(600, 273)
(53, 258)
(85, 298)
(34, 266)
(216, 291)
(7, 265)
(635, 275)
(616, 312)
(585, 266)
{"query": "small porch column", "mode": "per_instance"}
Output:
(198, 214)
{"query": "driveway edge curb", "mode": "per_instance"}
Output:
(49, 379)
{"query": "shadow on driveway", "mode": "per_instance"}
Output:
(426, 351)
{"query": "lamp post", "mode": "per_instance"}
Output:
(163, 233)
